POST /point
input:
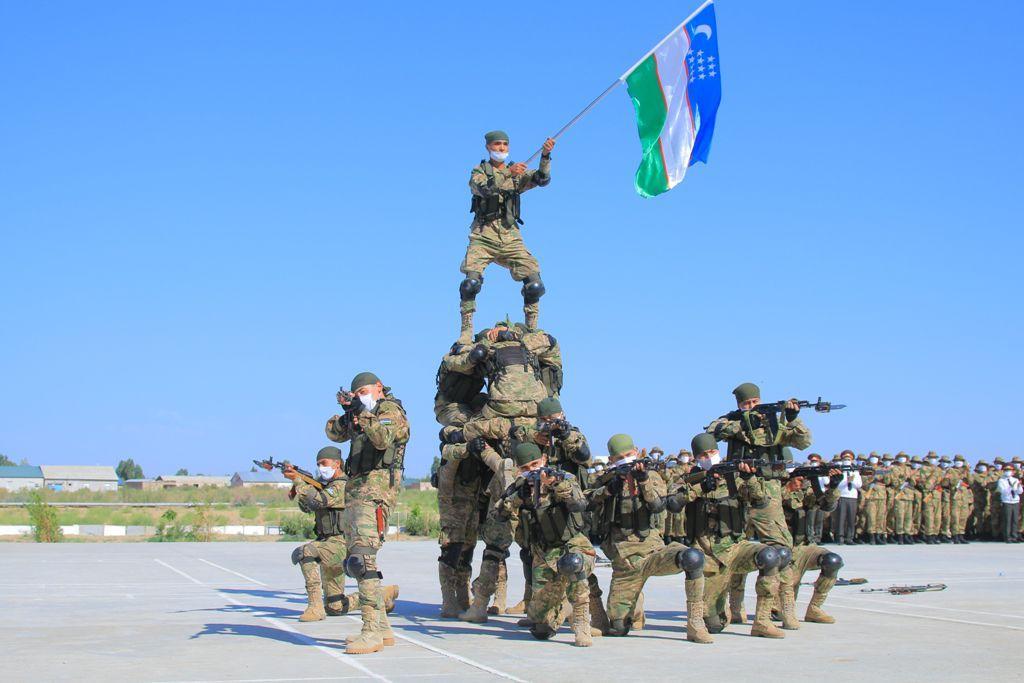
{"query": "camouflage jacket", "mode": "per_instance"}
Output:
(928, 478)
(748, 428)
(640, 504)
(386, 428)
(326, 505)
(570, 453)
(485, 180)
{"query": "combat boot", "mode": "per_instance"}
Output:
(598, 615)
(337, 605)
(387, 636)
(788, 610)
(520, 607)
(390, 594)
(737, 611)
(477, 612)
(581, 622)
(500, 591)
(639, 618)
(449, 599)
(315, 607)
(899, 539)
(763, 626)
(963, 540)
(814, 612)
(462, 596)
(696, 630)
(369, 639)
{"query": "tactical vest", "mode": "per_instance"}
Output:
(456, 387)
(551, 525)
(629, 514)
(364, 458)
(503, 204)
(327, 523)
(751, 421)
(505, 355)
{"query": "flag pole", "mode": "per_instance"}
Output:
(620, 80)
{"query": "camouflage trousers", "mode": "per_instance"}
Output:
(369, 500)
(632, 566)
(726, 569)
(675, 526)
(323, 568)
(916, 513)
(931, 513)
(457, 506)
(946, 512)
(961, 510)
(768, 524)
(551, 589)
(874, 512)
(903, 512)
(494, 243)
(805, 559)
(497, 535)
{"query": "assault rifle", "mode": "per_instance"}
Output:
(533, 479)
(731, 467)
(814, 472)
(556, 429)
(842, 582)
(907, 590)
(350, 402)
(623, 469)
(778, 406)
(305, 477)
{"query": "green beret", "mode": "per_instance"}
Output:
(746, 391)
(495, 135)
(526, 452)
(702, 443)
(504, 323)
(329, 452)
(362, 379)
(619, 444)
(548, 407)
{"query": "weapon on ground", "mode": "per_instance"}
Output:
(841, 582)
(907, 590)
(304, 476)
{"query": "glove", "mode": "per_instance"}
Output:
(506, 336)
(708, 484)
(476, 446)
(835, 480)
(454, 436)
(792, 414)
(478, 353)
(560, 429)
(614, 487)
(640, 476)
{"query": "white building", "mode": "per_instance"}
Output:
(79, 477)
(171, 481)
(21, 477)
(260, 478)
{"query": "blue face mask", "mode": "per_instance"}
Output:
(498, 156)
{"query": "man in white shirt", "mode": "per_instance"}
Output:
(844, 519)
(1010, 490)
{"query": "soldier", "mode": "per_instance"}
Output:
(900, 481)
(809, 557)
(494, 234)
(995, 501)
(1010, 491)
(375, 424)
(322, 561)
(701, 492)
(794, 496)
(929, 479)
(874, 498)
(676, 467)
(459, 398)
(550, 507)
(917, 511)
(628, 501)
(946, 497)
(815, 515)
(961, 499)
(980, 482)
(752, 434)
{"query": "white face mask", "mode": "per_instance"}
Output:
(932, 461)
(498, 156)
(707, 462)
(872, 460)
(368, 401)
(684, 459)
(981, 470)
(901, 461)
(847, 462)
(916, 465)
(326, 472)
(960, 463)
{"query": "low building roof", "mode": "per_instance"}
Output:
(262, 477)
(21, 472)
(83, 472)
(194, 479)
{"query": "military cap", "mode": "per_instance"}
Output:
(999, 460)
(703, 442)
(619, 444)
(329, 452)
(845, 453)
(959, 457)
(1016, 458)
(981, 462)
(495, 135)
(917, 459)
(548, 407)
(944, 458)
(503, 323)
(932, 454)
(526, 452)
(875, 453)
(861, 458)
(362, 379)
(814, 455)
(746, 391)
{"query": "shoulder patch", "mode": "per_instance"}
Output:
(385, 420)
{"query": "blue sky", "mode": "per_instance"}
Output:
(214, 214)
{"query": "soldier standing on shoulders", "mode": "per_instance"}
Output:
(494, 234)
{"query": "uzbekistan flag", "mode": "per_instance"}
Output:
(676, 90)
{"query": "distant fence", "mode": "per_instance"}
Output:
(108, 505)
(115, 530)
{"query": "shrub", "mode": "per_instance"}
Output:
(45, 527)
(167, 529)
(297, 527)
(249, 512)
(417, 523)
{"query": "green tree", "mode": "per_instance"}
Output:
(181, 473)
(45, 527)
(5, 461)
(127, 469)
(435, 466)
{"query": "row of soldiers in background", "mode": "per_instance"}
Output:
(513, 469)
(895, 499)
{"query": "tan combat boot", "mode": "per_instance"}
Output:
(737, 610)
(390, 594)
(763, 626)
(387, 636)
(788, 611)
(581, 628)
(462, 589)
(639, 618)
(449, 598)
(598, 615)
(520, 607)
(477, 612)
(337, 605)
(500, 591)
(315, 607)
(369, 639)
(814, 612)
(696, 629)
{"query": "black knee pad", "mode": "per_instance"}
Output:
(767, 559)
(619, 627)
(571, 565)
(495, 553)
(297, 555)
(470, 287)
(830, 564)
(450, 555)
(541, 631)
(466, 557)
(361, 566)
(785, 556)
(533, 289)
(691, 561)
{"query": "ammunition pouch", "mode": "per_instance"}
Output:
(328, 522)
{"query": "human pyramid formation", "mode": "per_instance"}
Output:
(514, 469)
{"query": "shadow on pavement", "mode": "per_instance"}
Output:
(266, 632)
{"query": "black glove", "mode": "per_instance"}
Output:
(560, 429)
(506, 336)
(708, 484)
(640, 476)
(454, 436)
(478, 353)
(614, 487)
(792, 414)
(835, 480)
(476, 446)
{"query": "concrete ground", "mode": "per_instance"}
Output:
(228, 612)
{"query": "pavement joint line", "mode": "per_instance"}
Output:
(945, 609)
(925, 616)
(347, 659)
(270, 680)
(232, 571)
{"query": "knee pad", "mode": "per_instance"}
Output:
(619, 627)
(449, 555)
(541, 631)
(533, 289)
(297, 555)
(361, 566)
(495, 553)
(785, 556)
(470, 287)
(767, 559)
(691, 561)
(571, 565)
(305, 553)
(466, 557)
(830, 564)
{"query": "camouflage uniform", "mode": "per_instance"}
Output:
(374, 469)
(323, 561)
(980, 482)
(928, 481)
(874, 496)
(961, 499)
(794, 496)
(495, 237)
(675, 530)
(627, 517)
(899, 479)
